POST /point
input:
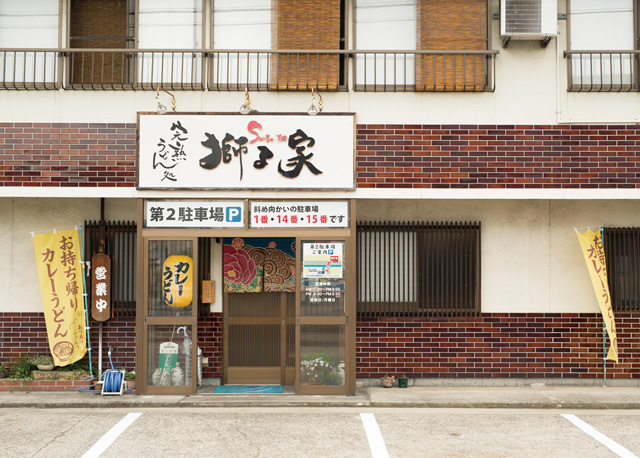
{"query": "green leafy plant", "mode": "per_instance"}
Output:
(42, 360)
(129, 375)
(22, 367)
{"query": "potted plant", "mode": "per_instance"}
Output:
(44, 362)
(130, 379)
(387, 381)
(319, 369)
(403, 381)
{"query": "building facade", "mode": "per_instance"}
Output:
(484, 134)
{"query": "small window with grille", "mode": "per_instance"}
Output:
(418, 269)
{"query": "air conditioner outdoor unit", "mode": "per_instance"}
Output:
(528, 20)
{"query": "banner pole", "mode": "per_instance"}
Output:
(604, 332)
(86, 307)
(604, 353)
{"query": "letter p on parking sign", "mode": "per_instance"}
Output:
(234, 214)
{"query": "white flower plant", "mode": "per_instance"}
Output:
(320, 368)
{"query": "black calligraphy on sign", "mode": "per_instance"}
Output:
(300, 160)
(223, 154)
(171, 153)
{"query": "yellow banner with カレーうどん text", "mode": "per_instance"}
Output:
(593, 251)
(61, 287)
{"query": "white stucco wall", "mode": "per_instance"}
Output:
(19, 288)
(531, 88)
(531, 259)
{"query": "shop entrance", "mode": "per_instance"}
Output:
(259, 310)
(259, 338)
(286, 295)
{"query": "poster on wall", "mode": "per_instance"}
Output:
(322, 260)
(203, 151)
(259, 264)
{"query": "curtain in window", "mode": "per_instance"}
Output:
(102, 24)
(305, 24)
(451, 25)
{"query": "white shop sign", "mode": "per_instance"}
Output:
(199, 151)
(295, 214)
(193, 213)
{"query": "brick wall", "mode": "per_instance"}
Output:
(388, 156)
(449, 156)
(26, 334)
(210, 341)
(67, 155)
(495, 345)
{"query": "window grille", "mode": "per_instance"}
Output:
(622, 253)
(424, 269)
(120, 246)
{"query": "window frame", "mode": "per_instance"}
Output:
(457, 276)
(623, 244)
(590, 86)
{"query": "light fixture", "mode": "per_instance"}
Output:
(246, 105)
(315, 109)
(162, 109)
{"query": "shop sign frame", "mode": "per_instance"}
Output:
(223, 151)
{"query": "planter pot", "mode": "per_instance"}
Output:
(4, 374)
(386, 382)
(403, 382)
(131, 384)
(45, 367)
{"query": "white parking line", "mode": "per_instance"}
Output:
(111, 435)
(604, 440)
(376, 442)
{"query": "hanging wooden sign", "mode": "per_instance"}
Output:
(208, 291)
(101, 287)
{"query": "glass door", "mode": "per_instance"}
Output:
(170, 314)
(323, 356)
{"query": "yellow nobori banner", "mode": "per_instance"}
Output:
(593, 251)
(61, 286)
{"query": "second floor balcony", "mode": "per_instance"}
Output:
(256, 70)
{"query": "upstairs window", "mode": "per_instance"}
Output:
(602, 40)
(281, 26)
(450, 31)
(29, 25)
(167, 24)
(101, 24)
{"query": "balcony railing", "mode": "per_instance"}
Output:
(235, 70)
(602, 71)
